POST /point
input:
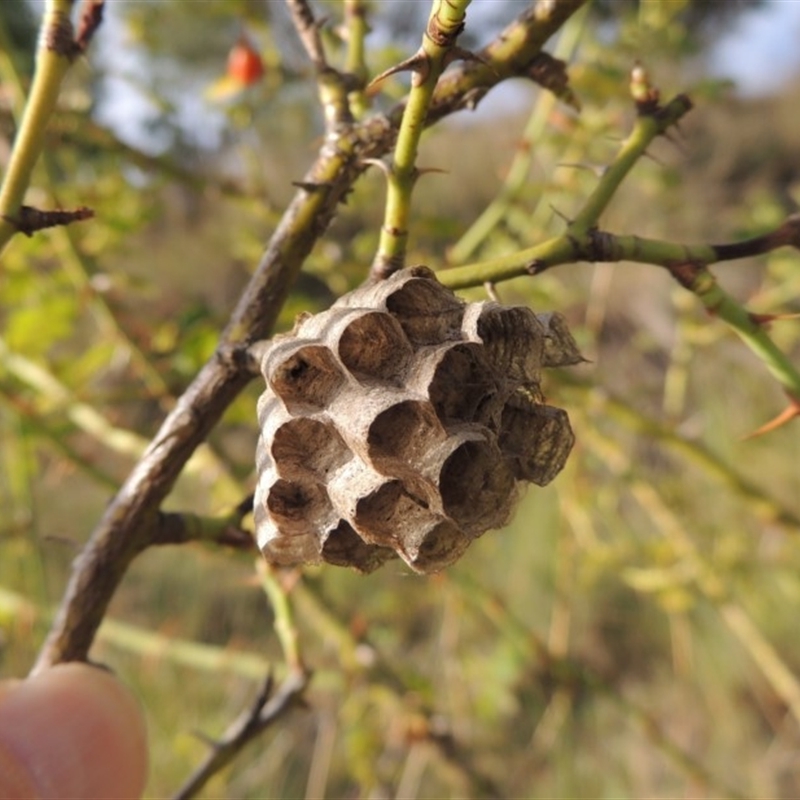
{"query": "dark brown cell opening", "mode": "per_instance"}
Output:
(514, 341)
(403, 432)
(476, 487)
(463, 386)
(536, 441)
(345, 548)
(308, 447)
(390, 515)
(307, 378)
(374, 345)
(427, 312)
(441, 546)
(292, 501)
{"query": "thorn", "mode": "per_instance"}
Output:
(91, 15)
(561, 216)
(420, 171)
(210, 741)
(647, 154)
(379, 163)
(551, 74)
(676, 143)
(418, 63)
(766, 319)
(472, 97)
(787, 415)
(597, 169)
(29, 220)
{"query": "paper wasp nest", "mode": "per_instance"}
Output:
(400, 421)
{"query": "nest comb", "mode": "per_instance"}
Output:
(401, 421)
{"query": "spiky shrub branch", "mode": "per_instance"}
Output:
(134, 520)
(438, 47)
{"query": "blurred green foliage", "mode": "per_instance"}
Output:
(632, 633)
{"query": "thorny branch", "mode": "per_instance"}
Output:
(130, 522)
(267, 708)
(333, 87)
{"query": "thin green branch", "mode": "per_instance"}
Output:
(583, 241)
(687, 264)
(519, 171)
(747, 327)
(333, 87)
(578, 242)
(357, 28)
(53, 58)
(127, 525)
(438, 47)
(285, 627)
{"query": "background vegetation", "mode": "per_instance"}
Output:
(633, 631)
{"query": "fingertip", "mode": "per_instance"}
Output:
(71, 731)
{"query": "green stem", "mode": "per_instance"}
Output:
(578, 242)
(355, 14)
(646, 128)
(285, 628)
(519, 171)
(53, 60)
(719, 303)
(445, 22)
(582, 241)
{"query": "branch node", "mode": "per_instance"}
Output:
(59, 37)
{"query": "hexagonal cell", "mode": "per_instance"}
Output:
(288, 551)
(304, 447)
(512, 335)
(460, 383)
(436, 547)
(402, 433)
(428, 312)
(536, 440)
(297, 507)
(390, 515)
(560, 348)
(306, 376)
(477, 487)
(343, 547)
(373, 345)
(373, 293)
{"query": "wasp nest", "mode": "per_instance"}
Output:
(400, 421)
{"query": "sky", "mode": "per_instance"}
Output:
(762, 50)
